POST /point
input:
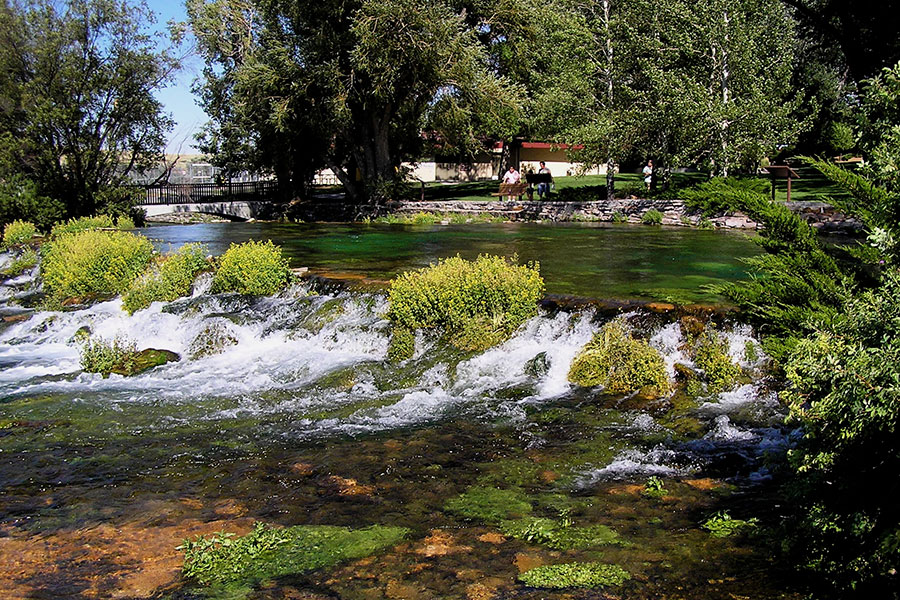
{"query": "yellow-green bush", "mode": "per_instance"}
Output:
(27, 260)
(619, 362)
(252, 268)
(82, 224)
(125, 223)
(711, 356)
(479, 303)
(168, 279)
(18, 232)
(93, 262)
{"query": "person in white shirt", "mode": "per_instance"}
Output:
(512, 176)
(648, 173)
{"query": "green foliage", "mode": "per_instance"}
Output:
(25, 261)
(722, 525)
(252, 268)
(619, 362)
(402, 344)
(489, 504)
(267, 552)
(796, 284)
(575, 575)
(619, 217)
(79, 112)
(705, 223)
(20, 200)
(710, 353)
(82, 224)
(654, 488)
(125, 223)
(558, 535)
(92, 262)
(169, 278)
(105, 357)
(652, 217)
(17, 233)
(478, 303)
(843, 392)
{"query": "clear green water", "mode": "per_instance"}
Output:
(589, 260)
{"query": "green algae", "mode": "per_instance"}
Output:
(723, 525)
(489, 504)
(559, 534)
(268, 552)
(575, 575)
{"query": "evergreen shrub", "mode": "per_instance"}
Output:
(252, 268)
(170, 278)
(479, 303)
(103, 263)
(619, 362)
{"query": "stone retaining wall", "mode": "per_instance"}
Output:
(819, 214)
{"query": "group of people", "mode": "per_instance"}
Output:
(543, 187)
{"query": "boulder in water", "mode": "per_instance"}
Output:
(144, 360)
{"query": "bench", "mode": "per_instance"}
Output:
(511, 189)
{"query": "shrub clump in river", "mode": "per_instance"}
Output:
(18, 233)
(252, 268)
(620, 363)
(478, 303)
(121, 357)
(93, 262)
(169, 278)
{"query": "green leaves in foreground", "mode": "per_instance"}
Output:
(267, 552)
(559, 535)
(575, 575)
(722, 525)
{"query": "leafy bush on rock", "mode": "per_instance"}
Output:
(103, 263)
(82, 224)
(479, 303)
(252, 268)
(18, 233)
(168, 279)
(620, 363)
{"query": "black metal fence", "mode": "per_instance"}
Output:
(188, 193)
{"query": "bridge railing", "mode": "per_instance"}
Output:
(191, 193)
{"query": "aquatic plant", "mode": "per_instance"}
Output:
(575, 575)
(21, 263)
(93, 262)
(82, 224)
(17, 233)
(711, 356)
(489, 504)
(558, 534)
(619, 217)
(120, 356)
(268, 552)
(654, 488)
(169, 278)
(619, 362)
(705, 223)
(252, 268)
(722, 525)
(652, 217)
(402, 344)
(479, 303)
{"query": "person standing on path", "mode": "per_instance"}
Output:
(648, 173)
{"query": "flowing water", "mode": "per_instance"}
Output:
(284, 410)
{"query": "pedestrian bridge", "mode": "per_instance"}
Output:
(240, 201)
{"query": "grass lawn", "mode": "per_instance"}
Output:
(811, 186)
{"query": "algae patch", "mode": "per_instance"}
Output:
(575, 575)
(268, 552)
(559, 535)
(489, 504)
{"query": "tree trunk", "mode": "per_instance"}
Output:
(610, 180)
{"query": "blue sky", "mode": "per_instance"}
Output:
(177, 98)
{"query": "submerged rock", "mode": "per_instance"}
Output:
(214, 338)
(538, 366)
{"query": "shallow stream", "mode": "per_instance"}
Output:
(284, 410)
